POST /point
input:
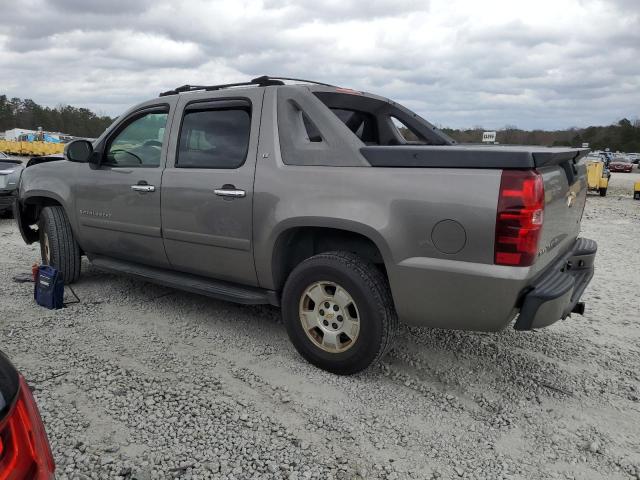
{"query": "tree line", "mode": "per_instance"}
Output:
(623, 136)
(78, 122)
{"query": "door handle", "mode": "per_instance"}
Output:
(230, 191)
(143, 188)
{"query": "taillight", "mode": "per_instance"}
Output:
(519, 219)
(24, 447)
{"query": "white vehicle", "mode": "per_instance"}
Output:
(634, 157)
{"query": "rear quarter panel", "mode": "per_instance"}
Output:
(434, 227)
(401, 210)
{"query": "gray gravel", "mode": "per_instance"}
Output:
(139, 381)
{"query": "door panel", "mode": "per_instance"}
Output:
(118, 203)
(207, 187)
(117, 221)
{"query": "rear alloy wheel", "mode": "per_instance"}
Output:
(58, 247)
(329, 317)
(339, 312)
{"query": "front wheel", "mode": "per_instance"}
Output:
(603, 192)
(339, 312)
(58, 247)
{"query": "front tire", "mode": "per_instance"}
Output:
(58, 247)
(603, 192)
(339, 312)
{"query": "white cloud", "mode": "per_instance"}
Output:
(544, 64)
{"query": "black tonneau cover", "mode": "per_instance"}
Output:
(469, 156)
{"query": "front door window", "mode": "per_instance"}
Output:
(139, 144)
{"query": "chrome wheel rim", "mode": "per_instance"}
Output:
(329, 316)
(46, 249)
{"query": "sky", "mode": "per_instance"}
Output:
(547, 64)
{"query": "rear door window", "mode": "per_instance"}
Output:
(214, 138)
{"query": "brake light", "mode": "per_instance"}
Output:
(519, 218)
(24, 447)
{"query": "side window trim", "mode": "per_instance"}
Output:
(209, 104)
(132, 117)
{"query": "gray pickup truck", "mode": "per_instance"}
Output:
(346, 209)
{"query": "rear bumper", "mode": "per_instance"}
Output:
(468, 296)
(556, 292)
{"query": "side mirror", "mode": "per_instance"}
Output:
(78, 151)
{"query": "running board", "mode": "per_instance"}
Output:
(230, 292)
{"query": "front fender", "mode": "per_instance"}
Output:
(29, 236)
(46, 184)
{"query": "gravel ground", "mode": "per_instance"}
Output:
(139, 381)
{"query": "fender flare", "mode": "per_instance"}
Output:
(346, 225)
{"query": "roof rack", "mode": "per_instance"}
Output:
(263, 81)
(266, 77)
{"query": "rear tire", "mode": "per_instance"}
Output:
(58, 247)
(352, 322)
(603, 192)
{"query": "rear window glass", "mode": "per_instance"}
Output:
(214, 138)
(362, 124)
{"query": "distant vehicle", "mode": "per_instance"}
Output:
(621, 164)
(24, 446)
(634, 157)
(10, 170)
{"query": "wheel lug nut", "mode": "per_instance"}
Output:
(321, 312)
(334, 325)
(336, 308)
(327, 304)
(326, 324)
(340, 318)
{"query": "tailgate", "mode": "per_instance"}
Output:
(565, 189)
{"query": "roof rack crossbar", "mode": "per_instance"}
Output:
(296, 80)
(263, 81)
(192, 88)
